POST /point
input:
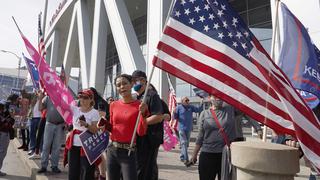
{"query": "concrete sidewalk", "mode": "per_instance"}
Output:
(13, 167)
(170, 167)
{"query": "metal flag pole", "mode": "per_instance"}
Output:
(274, 33)
(144, 101)
(45, 12)
(147, 87)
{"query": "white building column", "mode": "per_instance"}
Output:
(54, 49)
(84, 36)
(72, 43)
(126, 41)
(157, 13)
(99, 47)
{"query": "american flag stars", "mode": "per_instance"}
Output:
(211, 18)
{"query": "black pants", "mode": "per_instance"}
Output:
(147, 160)
(42, 125)
(79, 167)
(25, 137)
(209, 165)
(120, 164)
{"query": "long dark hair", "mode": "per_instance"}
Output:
(98, 99)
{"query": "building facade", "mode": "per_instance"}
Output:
(104, 38)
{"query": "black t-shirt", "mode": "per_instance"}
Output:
(154, 134)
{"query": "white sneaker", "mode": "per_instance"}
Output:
(35, 156)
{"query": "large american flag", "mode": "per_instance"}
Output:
(206, 43)
(41, 45)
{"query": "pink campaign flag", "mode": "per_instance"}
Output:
(57, 91)
(169, 139)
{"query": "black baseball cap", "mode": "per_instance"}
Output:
(138, 74)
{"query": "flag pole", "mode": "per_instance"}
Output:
(274, 33)
(15, 22)
(144, 101)
(147, 87)
(44, 19)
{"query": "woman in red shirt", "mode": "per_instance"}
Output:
(123, 116)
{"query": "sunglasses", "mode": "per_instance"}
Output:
(187, 100)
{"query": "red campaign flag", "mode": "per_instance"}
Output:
(207, 44)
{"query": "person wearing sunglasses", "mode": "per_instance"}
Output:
(184, 115)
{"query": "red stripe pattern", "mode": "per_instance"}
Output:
(41, 45)
(207, 44)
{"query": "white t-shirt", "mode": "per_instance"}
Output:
(90, 116)
(36, 112)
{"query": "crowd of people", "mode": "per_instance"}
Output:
(44, 131)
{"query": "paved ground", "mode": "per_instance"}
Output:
(13, 167)
(170, 167)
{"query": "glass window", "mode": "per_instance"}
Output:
(257, 3)
(258, 15)
(183, 90)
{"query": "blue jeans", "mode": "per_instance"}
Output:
(52, 136)
(184, 137)
(33, 128)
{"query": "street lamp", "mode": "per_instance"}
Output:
(19, 64)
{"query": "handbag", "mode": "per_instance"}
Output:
(227, 169)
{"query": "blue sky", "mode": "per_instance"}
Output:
(26, 14)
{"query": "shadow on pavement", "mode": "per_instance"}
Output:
(177, 167)
(11, 177)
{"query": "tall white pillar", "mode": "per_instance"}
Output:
(72, 42)
(54, 49)
(84, 36)
(126, 41)
(99, 47)
(157, 14)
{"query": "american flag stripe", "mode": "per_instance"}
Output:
(209, 62)
(275, 123)
(179, 71)
(249, 88)
(196, 36)
(286, 92)
(41, 44)
(207, 44)
(207, 51)
(219, 84)
(269, 113)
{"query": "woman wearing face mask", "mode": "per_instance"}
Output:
(210, 139)
(123, 116)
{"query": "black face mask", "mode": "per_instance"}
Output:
(217, 103)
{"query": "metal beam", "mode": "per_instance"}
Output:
(99, 47)
(126, 41)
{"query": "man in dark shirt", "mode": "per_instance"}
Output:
(148, 145)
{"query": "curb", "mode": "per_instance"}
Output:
(30, 165)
